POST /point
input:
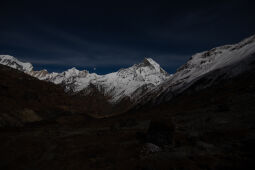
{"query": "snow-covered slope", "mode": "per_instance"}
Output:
(14, 63)
(216, 58)
(229, 59)
(116, 85)
(129, 82)
(147, 81)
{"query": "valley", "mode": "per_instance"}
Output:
(201, 117)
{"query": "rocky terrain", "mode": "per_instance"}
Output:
(198, 130)
(202, 117)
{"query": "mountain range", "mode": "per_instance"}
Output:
(141, 117)
(147, 81)
(129, 82)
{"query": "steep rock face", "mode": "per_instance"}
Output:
(129, 82)
(225, 61)
(39, 74)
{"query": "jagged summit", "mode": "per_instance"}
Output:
(147, 77)
(71, 72)
(117, 85)
(227, 61)
(39, 74)
(14, 63)
(148, 62)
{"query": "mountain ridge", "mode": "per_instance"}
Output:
(228, 59)
(117, 85)
(147, 81)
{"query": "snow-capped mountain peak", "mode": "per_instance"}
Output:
(14, 63)
(117, 85)
(216, 58)
(126, 82)
(147, 80)
(227, 60)
(152, 63)
(71, 72)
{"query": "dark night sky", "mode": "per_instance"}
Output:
(109, 35)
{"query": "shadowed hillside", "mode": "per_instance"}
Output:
(208, 129)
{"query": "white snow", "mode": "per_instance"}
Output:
(213, 59)
(202, 63)
(117, 85)
(144, 79)
(14, 63)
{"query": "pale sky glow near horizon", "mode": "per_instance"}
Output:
(57, 35)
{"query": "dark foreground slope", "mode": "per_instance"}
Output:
(211, 128)
(24, 99)
(214, 127)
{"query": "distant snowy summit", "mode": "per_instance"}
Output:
(222, 62)
(147, 81)
(129, 82)
(15, 63)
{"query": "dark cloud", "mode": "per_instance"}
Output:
(108, 34)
